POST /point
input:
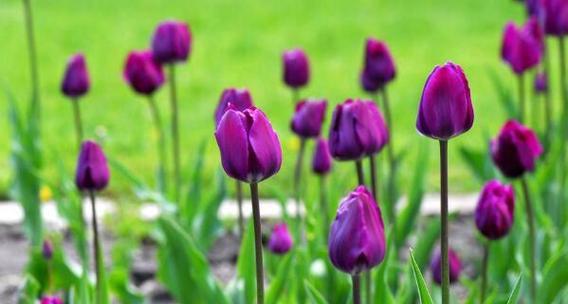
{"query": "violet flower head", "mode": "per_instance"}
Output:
(515, 150)
(240, 99)
(322, 162)
(378, 68)
(535, 8)
(92, 168)
(280, 241)
(249, 146)
(540, 83)
(436, 266)
(495, 210)
(521, 47)
(296, 68)
(357, 236)
(47, 249)
(308, 118)
(171, 42)
(51, 300)
(556, 17)
(445, 109)
(76, 81)
(143, 73)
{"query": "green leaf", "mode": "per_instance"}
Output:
(193, 197)
(505, 97)
(514, 296)
(479, 162)
(280, 281)
(314, 296)
(554, 278)
(206, 225)
(427, 238)
(30, 291)
(246, 268)
(423, 292)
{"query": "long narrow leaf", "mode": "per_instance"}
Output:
(423, 292)
(514, 296)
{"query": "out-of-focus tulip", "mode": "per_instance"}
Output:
(357, 130)
(51, 300)
(280, 240)
(521, 48)
(535, 8)
(436, 266)
(445, 108)
(357, 236)
(534, 28)
(378, 68)
(143, 73)
(47, 250)
(76, 78)
(240, 99)
(321, 163)
(495, 210)
(249, 146)
(556, 17)
(171, 42)
(296, 68)
(92, 168)
(309, 117)
(516, 149)
(540, 83)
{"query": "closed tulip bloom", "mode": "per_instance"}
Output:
(535, 8)
(556, 17)
(51, 300)
(280, 240)
(240, 99)
(47, 250)
(321, 163)
(309, 117)
(540, 83)
(357, 236)
(515, 150)
(76, 78)
(436, 266)
(92, 168)
(249, 146)
(357, 130)
(378, 68)
(534, 28)
(368, 83)
(445, 108)
(143, 73)
(520, 49)
(495, 210)
(171, 42)
(296, 68)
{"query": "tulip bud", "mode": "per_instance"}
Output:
(495, 210)
(533, 27)
(171, 42)
(280, 240)
(357, 236)
(47, 250)
(540, 83)
(436, 266)
(445, 107)
(556, 17)
(296, 68)
(249, 146)
(240, 99)
(51, 300)
(76, 78)
(143, 73)
(515, 150)
(357, 130)
(520, 49)
(321, 163)
(535, 8)
(92, 168)
(309, 117)
(378, 68)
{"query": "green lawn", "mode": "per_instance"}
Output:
(239, 43)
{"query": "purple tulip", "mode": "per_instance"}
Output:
(171, 42)
(534, 28)
(378, 68)
(280, 240)
(516, 149)
(92, 168)
(495, 210)
(535, 8)
(296, 68)
(249, 146)
(51, 300)
(357, 236)
(47, 250)
(309, 117)
(540, 83)
(240, 99)
(556, 17)
(436, 266)
(76, 78)
(445, 108)
(143, 73)
(321, 163)
(357, 130)
(521, 49)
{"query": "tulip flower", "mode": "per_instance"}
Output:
(556, 17)
(47, 250)
(308, 118)
(540, 83)
(280, 241)
(357, 236)
(250, 152)
(535, 8)
(378, 67)
(240, 99)
(321, 166)
(296, 68)
(445, 112)
(436, 266)
(51, 300)
(76, 84)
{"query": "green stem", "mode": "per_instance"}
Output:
(360, 175)
(390, 149)
(521, 98)
(361, 181)
(161, 144)
(32, 52)
(564, 119)
(78, 121)
(532, 237)
(444, 221)
(324, 206)
(295, 96)
(547, 100)
(257, 243)
(373, 169)
(240, 206)
(96, 249)
(297, 190)
(356, 289)
(175, 133)
(484, 264)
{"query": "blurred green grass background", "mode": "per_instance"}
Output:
(239, 43)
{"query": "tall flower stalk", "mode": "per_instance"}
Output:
(321, 166)
(160, 143)
(564, 118)
(532, 238)
(32, 53)
(75, 85)
(297, 190)
(444, 220)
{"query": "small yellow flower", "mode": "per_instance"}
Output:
(45, 194)
(294, 144)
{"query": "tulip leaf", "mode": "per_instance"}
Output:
(314, 296)
(514, 296)
(206, 226)
(193, 198)
(423, 292)
(279, 282)
(479, 163)
(504, 94)
(246, 268)
(29, 291)
(555, 276)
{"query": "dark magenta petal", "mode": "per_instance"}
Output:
(76, 81)
(240, 99)
(343, 140)
(522, 48)
(281, 240)
(51, 300)
(321, 163)
(92, 169)
(296, 68)
(266, 151)
(308, 118)
(47, 249)
(436, 266)
(143, 73)
(171, 42)
(378, 67)
(232, 139)
(556, 17)
(495, 210)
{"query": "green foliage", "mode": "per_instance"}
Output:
(30, 291)
(314, 296)
(423, 292)
(514, 296)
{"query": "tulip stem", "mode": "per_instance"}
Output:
(484, 264)
(161, 144)
(532, 237)
(373, 169)
(324, 206)
(390, 154)
(444, 220)
(521, 98)
(295, 96)
(356, 289)
(361, 180)
(35, 106)
(564, 117)
(240, 206)
(175, 132)
(360, 176)
(297, 185)
(96, 250)
(78, 122)
(547, 101)
(257, 243)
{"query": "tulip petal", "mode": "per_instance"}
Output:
(265, 146)
(231, 136)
